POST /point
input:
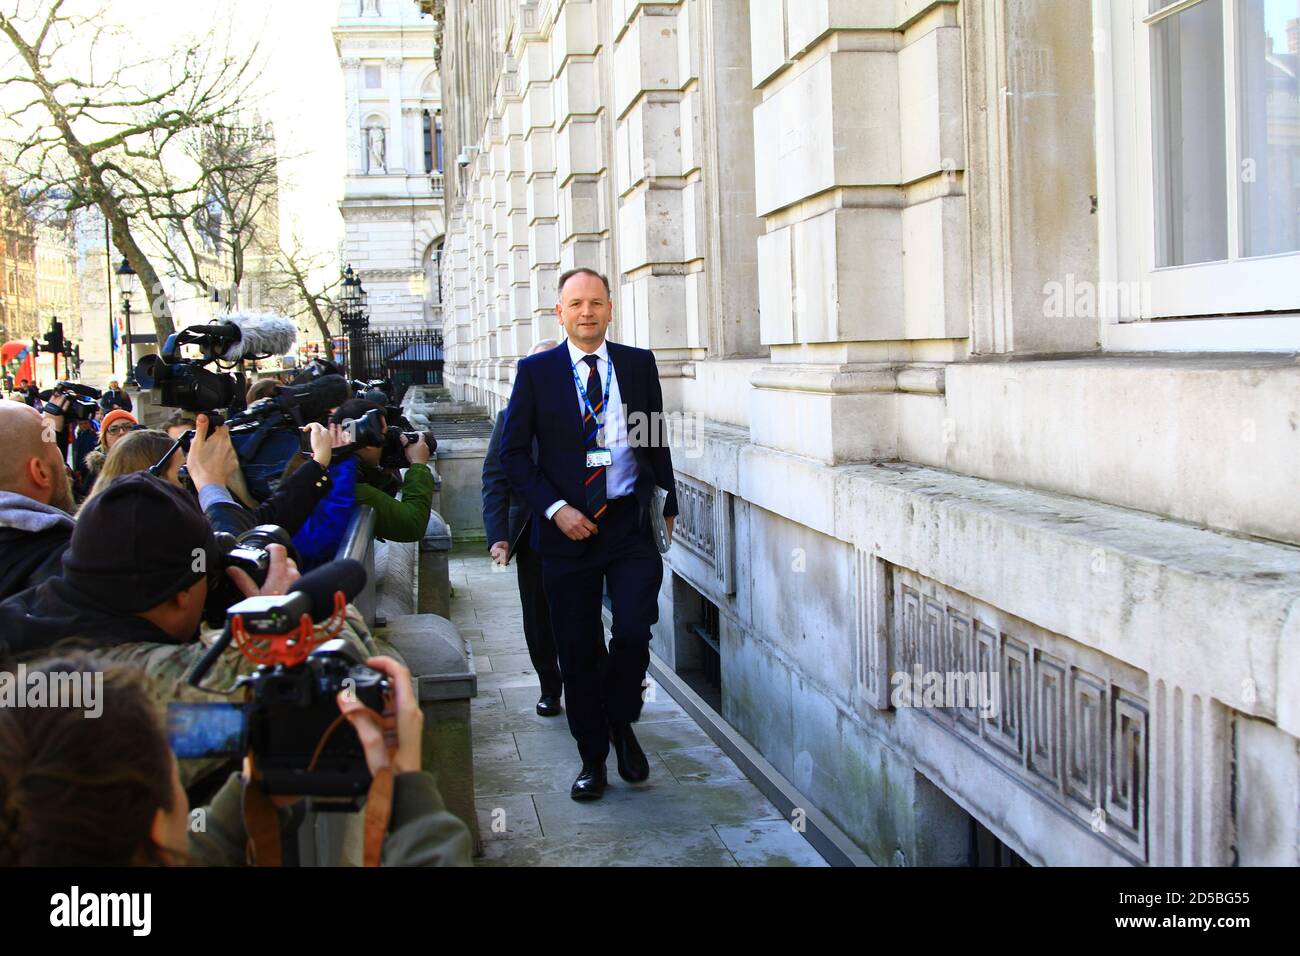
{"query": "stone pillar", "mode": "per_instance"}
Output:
(862, 261)
(395, 161)
(539, 175)
(655, 232)
(580, 164)
(351, 84)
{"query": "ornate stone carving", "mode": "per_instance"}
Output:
(1069, 723)
(705, 527)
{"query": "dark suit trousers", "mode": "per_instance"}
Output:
(537, 619)
(599, 692)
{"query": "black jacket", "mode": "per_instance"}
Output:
(119, 398)
(506, 516)
(33, 538)
(37, 619)
(544, 408)
(290, 506)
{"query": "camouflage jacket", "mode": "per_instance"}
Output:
(167, 665)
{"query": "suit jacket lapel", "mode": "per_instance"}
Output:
(627, 392)
(567, 391)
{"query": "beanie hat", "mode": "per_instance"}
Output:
(138, 542)
(116, 415)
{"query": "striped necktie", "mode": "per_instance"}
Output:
(596, 503)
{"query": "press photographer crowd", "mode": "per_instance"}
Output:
(187, 573)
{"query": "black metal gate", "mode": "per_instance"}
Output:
(406, 356)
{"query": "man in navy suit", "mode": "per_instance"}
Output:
(592, 488)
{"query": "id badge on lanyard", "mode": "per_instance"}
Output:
(597, 457)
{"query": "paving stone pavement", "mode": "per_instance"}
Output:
(697, 808)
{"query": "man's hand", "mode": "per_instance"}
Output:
(54, 420)
(668, 523)
(322, 443)
(500, 553)
(211, 459)
(280, 576)
(575, 525)
(402, 754)
(417, 452)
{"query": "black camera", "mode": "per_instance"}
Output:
(248, 551)
(290, 721)
(83, 401)
(294, 708)
(187, 384)
(370, 431)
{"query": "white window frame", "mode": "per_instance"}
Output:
(1235, 305)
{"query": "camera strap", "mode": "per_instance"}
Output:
(262, 824)
(379, 811)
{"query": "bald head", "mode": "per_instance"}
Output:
(545, 345)
(31, 464)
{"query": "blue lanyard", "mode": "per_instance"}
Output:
(582, 393)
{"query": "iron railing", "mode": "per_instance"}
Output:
(406, 356)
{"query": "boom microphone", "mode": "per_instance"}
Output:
(344, 575)
(259, 334)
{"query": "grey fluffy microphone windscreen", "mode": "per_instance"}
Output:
(261, 334)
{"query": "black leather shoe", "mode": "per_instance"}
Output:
(590, 784)
(632, 764)
(549, 705)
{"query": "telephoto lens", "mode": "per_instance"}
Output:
(249, 552)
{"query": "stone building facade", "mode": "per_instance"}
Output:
(969, 399)
(19, 316)
(392, 201)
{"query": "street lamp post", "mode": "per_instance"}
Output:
(352, 315)
(126, 285)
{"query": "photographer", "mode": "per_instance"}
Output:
(213, 465)
(106, 792)
(36, 501)
(137, 569)
(403, 520)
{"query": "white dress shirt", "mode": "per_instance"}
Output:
(620, 477)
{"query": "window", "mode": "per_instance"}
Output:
(374, 79)
(1199, 157)
(438, 142)
(428, 142)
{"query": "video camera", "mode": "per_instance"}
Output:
(83, 401)
(186, 383)
(289, 721)
(370, 431)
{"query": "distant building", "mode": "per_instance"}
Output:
(57, 287)
(392, 201)
(19, 315)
